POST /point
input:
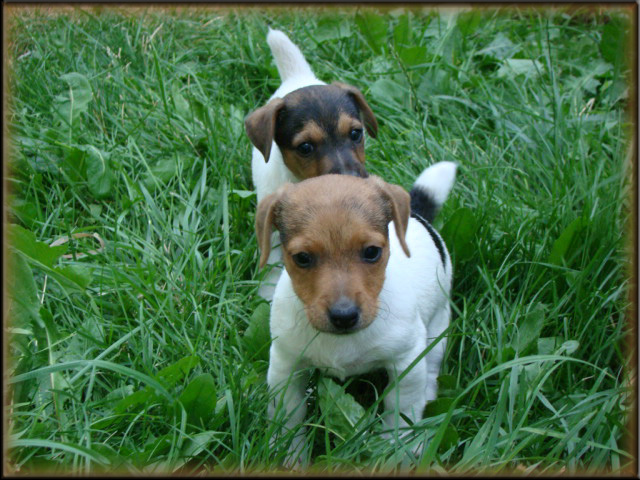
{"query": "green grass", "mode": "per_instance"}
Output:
(137, 358)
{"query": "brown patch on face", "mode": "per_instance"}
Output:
(346, 123)
(304, 166)
(332, 220)
(311, 132)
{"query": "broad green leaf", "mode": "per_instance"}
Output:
(163, 171)
(531, 372)
(25, 241)
(512, 67)
(78, 274)
(332, 28)
(446, 385)
(438, 406)
(73, 162)
(50, 326)
(446, 381)
(167, 377)
(459, 232)
(71, 278)
(197, 443)
(25, 210)
(387, 91)
(75, 100)
(155, 448)
(145, 396)
(569, 346)
(374, 29)
(171, 375)
(449, 439)
(257, 337)
(341, 411)
(613, 43)
(180, 103)
(529, 327)
(500, 47)
(468, 22)
(199, 399)
(22, 291)
(564, 246)
(414, 55)
(402, 31)
(100, 175)
(585, 82)
(548, 345)
(508, 353)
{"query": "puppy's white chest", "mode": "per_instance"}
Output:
(343, 362)
(389, 337)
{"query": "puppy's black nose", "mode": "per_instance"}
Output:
(344, 314)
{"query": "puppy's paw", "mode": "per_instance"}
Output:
(297, 458)
(405, 441)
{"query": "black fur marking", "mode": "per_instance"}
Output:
(434, 235)
(423, 204)
(319, 103)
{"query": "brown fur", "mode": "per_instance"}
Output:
(334, 218)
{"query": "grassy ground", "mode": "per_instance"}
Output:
(148, 355)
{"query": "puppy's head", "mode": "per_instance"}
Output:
(319, 130)
(335, 241)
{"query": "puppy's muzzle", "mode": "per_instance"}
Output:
(346, 163)
(344, 315)
(356, 171)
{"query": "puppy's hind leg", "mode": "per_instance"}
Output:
(408, 396)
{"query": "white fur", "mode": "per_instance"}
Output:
(413, 311)
(295, 73)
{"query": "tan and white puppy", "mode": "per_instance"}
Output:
(366, 286)
(306, 129)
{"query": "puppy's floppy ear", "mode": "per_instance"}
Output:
(261, 126)
(367, 114)
(265, 219)
(399, 202)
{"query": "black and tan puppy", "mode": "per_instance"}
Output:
(318, 130)
(307, 129)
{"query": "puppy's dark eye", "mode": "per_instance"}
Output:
(303, 259)
(371, 254)
(355, 134)
(305, 148)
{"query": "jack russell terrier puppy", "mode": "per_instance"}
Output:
(366, 286)
(306, 129)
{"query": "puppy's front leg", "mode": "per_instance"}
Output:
(409, 395)
(438, 324)
(288, 384)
